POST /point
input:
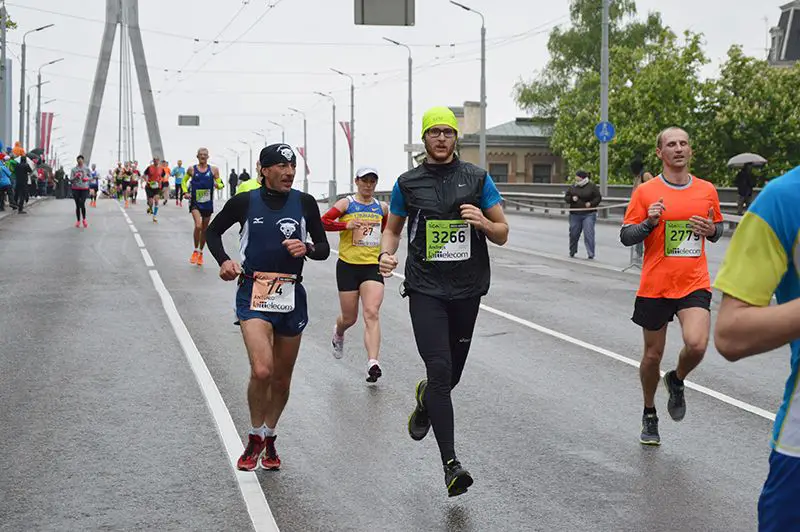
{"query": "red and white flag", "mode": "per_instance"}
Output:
(347, 133)
(44, 134)
(305, 162)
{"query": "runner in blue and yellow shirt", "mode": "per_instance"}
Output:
(764, 260)
(360, 219)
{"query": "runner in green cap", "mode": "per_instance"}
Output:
(447, 272)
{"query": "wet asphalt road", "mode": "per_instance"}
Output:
(105, 427)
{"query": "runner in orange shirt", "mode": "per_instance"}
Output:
(673, 214)
(165, 182)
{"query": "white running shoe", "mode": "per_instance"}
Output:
(338, 344)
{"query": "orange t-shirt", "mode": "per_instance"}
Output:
(674, 262)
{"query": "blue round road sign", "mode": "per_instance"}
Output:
(604, 131)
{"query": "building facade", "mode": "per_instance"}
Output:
(785, 45)
(516, 152)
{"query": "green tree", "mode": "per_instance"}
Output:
(575, 51)
(650, 87)
(753, 107)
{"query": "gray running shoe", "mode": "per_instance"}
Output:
(650, 430)
(676, 405)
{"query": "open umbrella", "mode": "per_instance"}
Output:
(745, 158)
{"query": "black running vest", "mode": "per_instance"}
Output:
(435, 192)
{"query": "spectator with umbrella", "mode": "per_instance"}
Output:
(745, 181)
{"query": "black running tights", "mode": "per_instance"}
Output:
(80, 196)
(443, 331)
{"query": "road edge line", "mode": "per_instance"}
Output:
(254, 497)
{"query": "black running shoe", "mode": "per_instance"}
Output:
(676, 405)
(456, 478)
(650, 430)
(374, 373)
(418, 422)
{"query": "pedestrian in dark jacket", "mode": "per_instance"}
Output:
(233, 180)
(745, 184)
(584, 197)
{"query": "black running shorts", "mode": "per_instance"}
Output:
(350, 276)
(653, 313)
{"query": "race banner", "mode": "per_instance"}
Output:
(44, 134)
(305, 162)
(347, 133)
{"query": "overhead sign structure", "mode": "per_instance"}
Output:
(384, 12)
(188, 120)
(605, 132)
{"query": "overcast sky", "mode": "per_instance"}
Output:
(254, 76)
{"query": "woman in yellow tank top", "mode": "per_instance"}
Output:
(360, 220)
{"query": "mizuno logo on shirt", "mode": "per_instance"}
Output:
(258, 220)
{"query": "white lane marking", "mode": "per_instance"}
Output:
(254, 498)
(133, 228)
(139, 240)
(253, 495)
(148, 260)
(688, 384)
(747, 407)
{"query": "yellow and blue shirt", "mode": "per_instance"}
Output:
(361, 246)
(764, 259)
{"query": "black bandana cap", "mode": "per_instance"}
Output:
(277, 154)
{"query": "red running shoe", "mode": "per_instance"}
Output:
(270, 460)
(77, 224)
(85, 223)
(249, 459)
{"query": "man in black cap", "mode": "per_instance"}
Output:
(271, 305)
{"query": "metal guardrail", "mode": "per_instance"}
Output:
(549, 203)
(554, 203)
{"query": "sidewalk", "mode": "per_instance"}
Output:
(13, 212)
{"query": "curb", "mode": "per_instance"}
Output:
(9, 213)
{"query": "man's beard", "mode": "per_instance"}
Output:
(433, 156)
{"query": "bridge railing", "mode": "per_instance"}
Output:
(548, 199)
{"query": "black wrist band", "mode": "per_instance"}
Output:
(381, 254)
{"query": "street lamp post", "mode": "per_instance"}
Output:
(283, 130)
(482, 149)
(27, 138)
(604, 103)
(332, 182)
(262, 135)
(305, 149)
(236, 153)
(22, 80)
(410, 115)
(39, 97)
(352, 126)
(251, 153)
